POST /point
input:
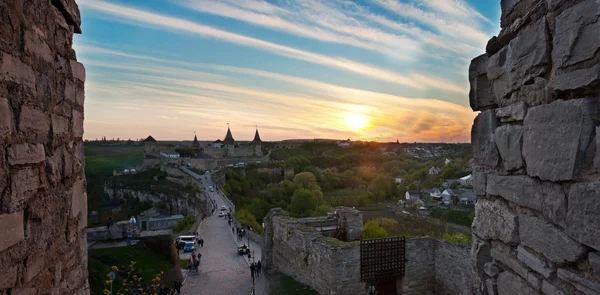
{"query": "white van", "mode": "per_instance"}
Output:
(181, 240)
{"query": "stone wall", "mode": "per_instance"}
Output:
(43, 205)
(331, 266)
(536, 150)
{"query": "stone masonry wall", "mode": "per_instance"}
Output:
(43, 205)
(536, 145)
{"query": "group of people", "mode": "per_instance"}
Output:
(241, 232)
(176, 289)
(194, 262)
(255, 269)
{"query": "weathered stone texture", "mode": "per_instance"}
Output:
(485, 151)
(480, 96)
(41, 124)
(509, 140)
(11, 229)
(581, 283)
(542, 196)
(549, 289)
(505, 257)
(594, 260)
(556, 137)
(534, 262)
(583, 215)
(549, 240)
(494, 220)
(512, 113)
(25, 153)
(527, 56)
(511, 284)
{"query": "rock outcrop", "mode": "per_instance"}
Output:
(43, 205)
(536, 150)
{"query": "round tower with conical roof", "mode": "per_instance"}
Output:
(229, 144)
(257, 144)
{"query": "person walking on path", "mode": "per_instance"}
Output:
(201, 241)
(252, 270)
(132, 221)
(194, 255)
(249, 256)
(372, 290)
(259, 267)
(178, 286)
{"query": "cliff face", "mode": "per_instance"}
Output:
(536, 150)
(43, 205)
(184, 203)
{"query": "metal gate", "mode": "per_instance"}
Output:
(382, 263)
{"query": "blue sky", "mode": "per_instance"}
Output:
(370, 69)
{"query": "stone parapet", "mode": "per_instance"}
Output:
(536, 150)
(43, 203)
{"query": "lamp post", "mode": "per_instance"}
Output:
(253, 280)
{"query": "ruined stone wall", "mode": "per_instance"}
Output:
(43, 204)
(536, 150)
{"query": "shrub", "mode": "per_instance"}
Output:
(372, 230)
(186, 222)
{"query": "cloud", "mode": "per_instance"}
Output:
(162, 22)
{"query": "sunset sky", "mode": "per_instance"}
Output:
(365, 70)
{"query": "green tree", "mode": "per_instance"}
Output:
(330, 180)
(297, 162)
(372, 230)
(307, 181)
(303, 202)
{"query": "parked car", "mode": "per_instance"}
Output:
(189, 247)
(182, 240)
(221, 214)
(243, 249)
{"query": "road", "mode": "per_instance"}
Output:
(222, 270)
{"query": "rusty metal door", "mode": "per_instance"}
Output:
(382, 263)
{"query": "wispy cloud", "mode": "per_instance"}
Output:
(161, 22)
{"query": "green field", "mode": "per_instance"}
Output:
(101, 160)
(148, 264)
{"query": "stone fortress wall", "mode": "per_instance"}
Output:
(43, 205)
(537, 150)
(331, 266)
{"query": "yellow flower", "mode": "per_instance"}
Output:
(140, 289)
(114, 268)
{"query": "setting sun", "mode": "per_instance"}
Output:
(356, 121)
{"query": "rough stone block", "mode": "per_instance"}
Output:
(534, 281)
(556, 137)
(485, 152)
(490, 285)
(480, 95)
(78, 198)
(594, 260)
(35, 45)
(582, 284)
(537, 93)
(542, 196)
(527, 56)
(511, 284)
(491, 269)
(512, 113)
(70, 12)
(60, 125)
(14, 70)
(597, 156)
(549, 289)
(35, 264)
(583, 214)
(11, 229)
(77, 124)
(534, 262)
(494, 220)
(20, 154)
(577, 80)
(479, 182)
(548, 240)
(480, 255)
(24, 184)
(8, 277)
(576, 38)
(78, 70)
(506, 259)
(32, 120)
(509, 140)
(79, 96)
(6, 118)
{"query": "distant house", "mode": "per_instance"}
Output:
(217, 143)
(447, 196)
(466, 181)
(435, 194)
(413, 195)
(434, 171)
(171, 155)
(447, 161)
(468, 197)
(344, 143)
(398, 180)
(157, 219)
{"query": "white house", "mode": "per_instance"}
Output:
(398, 180)
(434, 171)
(171, 155)
(467, 180)
(447, 161)
(413, 195)
(344, 143)
(435, 193)
(447, 196)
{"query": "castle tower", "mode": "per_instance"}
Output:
(229, 144)
(257, 144)
(150, 145)
(195, 143)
